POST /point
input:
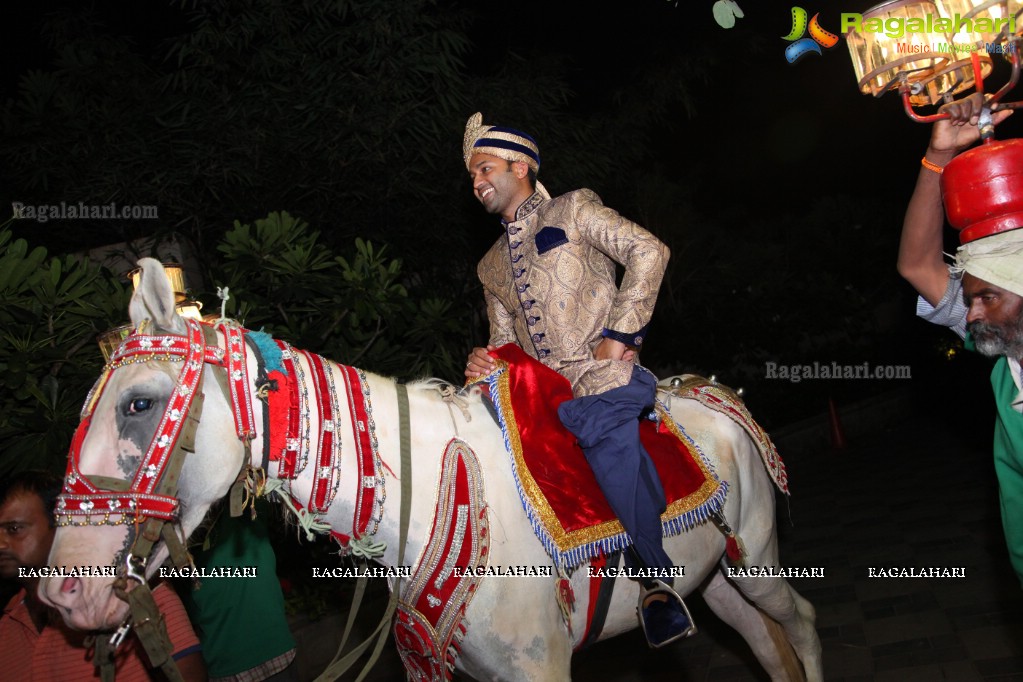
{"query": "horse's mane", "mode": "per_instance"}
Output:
(430, 383)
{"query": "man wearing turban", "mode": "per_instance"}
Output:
(549, 283)
(980, 297)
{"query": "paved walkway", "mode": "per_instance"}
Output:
(916, 496)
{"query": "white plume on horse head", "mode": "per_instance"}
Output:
(154, 299)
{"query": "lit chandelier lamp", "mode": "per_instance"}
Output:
(110, 340)
(976, 15)
(883, 63)
(994, 15)
(982, 188)
(931, 66)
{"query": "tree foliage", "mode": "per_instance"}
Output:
(350, 115)
(51, 310)
(355, 309)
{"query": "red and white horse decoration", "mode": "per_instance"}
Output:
(332, 455)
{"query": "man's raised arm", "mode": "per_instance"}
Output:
(920, 249)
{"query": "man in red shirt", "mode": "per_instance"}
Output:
(35, 644)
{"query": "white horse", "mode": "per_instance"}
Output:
(514, 628)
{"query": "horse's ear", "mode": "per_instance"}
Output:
(154, 299)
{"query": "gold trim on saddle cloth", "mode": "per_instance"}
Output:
(571, 548)
(721, 398)
(428, 624)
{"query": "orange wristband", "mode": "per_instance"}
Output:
(931, 166)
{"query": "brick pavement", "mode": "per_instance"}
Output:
(916, 495)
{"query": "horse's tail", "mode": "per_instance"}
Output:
(787, 655)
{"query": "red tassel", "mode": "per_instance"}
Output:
(732, 549)
(567, 594)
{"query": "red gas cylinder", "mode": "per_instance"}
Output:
(983, 190)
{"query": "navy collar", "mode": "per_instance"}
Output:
(530, 205)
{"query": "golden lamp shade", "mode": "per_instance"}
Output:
(110, 340)
(923, 43)
(175, 273)
(981, 23)
(879, 57)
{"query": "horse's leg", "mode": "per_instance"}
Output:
(755, 516)
(764, 636)
(776, 598)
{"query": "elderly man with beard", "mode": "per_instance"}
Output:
(980, 297)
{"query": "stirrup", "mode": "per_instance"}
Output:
(661, 588)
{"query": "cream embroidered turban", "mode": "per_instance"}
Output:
(504, 143)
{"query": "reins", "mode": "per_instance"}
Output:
(340, 665)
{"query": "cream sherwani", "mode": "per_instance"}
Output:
(550, 285)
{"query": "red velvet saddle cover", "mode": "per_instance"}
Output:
(557, 486)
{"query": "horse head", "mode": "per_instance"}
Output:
(138, 444)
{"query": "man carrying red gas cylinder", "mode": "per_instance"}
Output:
(980, 295)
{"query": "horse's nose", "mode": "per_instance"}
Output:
(70, 585)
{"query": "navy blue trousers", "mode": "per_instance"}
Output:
(607, 427)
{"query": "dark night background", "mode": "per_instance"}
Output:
(779, 187)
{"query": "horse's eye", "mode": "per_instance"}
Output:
(139, 405)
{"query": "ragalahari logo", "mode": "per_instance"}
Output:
(801, 46)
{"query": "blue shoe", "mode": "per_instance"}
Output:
(665, 619)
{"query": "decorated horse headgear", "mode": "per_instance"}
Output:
(149, 498)
(504, 143)
(151, 494)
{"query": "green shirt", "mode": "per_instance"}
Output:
(1009, 460)
(1008, 450)
(240, 620)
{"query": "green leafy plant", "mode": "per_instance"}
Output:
(51, 310)
(354, 308)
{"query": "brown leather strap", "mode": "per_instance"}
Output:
(151, 632)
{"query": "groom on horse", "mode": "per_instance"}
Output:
(549, 283)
